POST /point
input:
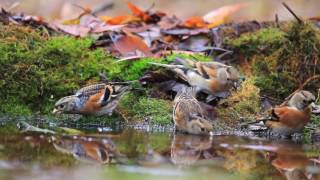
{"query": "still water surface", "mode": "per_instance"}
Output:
(133, 154)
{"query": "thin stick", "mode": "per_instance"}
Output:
(294, 14)
(277, 20)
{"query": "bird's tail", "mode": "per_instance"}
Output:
(258, 125)
(169, 66)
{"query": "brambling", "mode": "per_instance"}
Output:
(292, 116)
(86, 149)
(209, 77)
(188, 115)
(97, 100)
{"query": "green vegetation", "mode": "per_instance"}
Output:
(262, 41)
(277, 56)
(243, 104)
(138, 108)
(39, 70)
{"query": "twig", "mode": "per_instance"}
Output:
(294, 14)
(277, 20)
(102, 7)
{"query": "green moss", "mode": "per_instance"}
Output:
(264, 40)
(243, 104)
(138, 107)
(276, 57)
(38, 71)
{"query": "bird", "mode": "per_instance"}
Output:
(209, 77)
(97, 100)
(188, 115)
(292, 116)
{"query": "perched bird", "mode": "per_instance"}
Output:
(292, 116)
(188, 115)
(97, 100)
(209, 77)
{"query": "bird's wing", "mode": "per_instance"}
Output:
(91, 90)
(290, 116)
(118, 90)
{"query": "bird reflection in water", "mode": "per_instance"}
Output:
(291, 161)
(87, 149)
(188, 149)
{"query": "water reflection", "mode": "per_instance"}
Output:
(162, 154)
(188, 149)
(86, 149)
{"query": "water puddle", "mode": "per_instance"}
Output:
(136, 154)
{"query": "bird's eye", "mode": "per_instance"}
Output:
(61, 106)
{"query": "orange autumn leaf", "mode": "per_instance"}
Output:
(138, 12)
(221, 15)
(195, 22)
(130, 44)
(122, 19)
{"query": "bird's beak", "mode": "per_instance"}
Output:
(56, 111)
(315, 108)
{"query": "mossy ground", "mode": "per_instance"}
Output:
(280, 61)
(242, 105)
(38, 70)
(276, 56)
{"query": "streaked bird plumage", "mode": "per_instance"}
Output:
(97, 100)
(209, 77)
(188, 115)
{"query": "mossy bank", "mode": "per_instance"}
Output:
(37, 70)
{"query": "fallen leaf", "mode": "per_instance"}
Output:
(194, 22)
(195, 43)
(221, 15)
(138, 12)
(169, 22)
(185, 31)
(75, 30)
(129, 44)
(76, 20)
(122, 19)
(105, 27)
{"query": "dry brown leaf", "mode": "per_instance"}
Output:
(130, 45)
(75, 30)
(221, 15)
(76, 20)
(122, 19)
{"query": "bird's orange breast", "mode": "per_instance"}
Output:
(292, 117)
(92, 105)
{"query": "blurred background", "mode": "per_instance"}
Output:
(257, 9)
